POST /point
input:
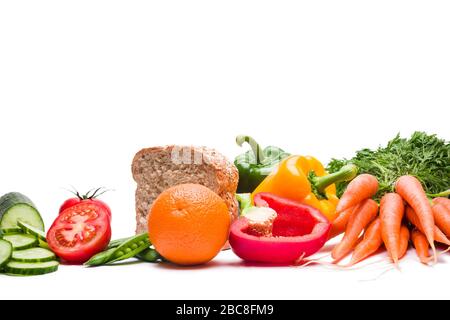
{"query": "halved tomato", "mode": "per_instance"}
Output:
(80, 232)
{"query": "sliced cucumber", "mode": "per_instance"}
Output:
(30, 269)
(33, 255)
(21, 241)
(43, 244)
(15, 206)
(10, 231)
(5, 252)
(32, 230)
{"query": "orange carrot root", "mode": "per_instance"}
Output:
(443, 201)
(404, 242)
(364, 215)
(421, 244)
(391, 215)
(439, 236)
(362, 187)
(340, 223)
(442, 217)
(370, 243)
(411, 190)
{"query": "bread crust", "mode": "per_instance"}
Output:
(158, 168)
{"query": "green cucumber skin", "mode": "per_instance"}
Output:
(33, 255)
(7, 252)
(10, 231)
(43, 244)
(14, 268)
(12, 199)
(31, 244)
(26, 228)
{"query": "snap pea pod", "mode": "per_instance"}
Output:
(129, 248)
(100, 258)
(117, 242)
(149, 255)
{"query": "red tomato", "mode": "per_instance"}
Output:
(80, 232)
(73, 201)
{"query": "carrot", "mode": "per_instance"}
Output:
(340, 223)
(391, 215)
(365, 213)
(421, 244)
(439, 236)
(412, 192)
(442, 218)
(362, 187)
(369, 245)
(404, 242)
(443, 201)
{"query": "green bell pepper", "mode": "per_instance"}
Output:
(256, 164)
(245, 202)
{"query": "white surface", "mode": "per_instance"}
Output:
(86, 84)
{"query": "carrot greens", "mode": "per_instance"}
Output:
(424, 156)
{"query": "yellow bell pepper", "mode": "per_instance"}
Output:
(304, 179)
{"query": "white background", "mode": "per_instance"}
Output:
(86, 84)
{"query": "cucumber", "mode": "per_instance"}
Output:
(5, 252)
(43, 244)
(16, 268)
(15, 206)
(10, 231)
(21, 241)
(33, 255)
(32, 230)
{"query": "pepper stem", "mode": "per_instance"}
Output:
(346, 173)
(257, 150)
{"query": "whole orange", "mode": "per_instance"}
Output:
(188, 224)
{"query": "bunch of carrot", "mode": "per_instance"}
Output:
(402, 216)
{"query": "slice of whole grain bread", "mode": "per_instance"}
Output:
(158, 168)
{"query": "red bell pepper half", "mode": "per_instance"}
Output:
(297, 230)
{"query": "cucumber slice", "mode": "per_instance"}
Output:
(32, 230)
(43, 244)
(5, 252)
(21, 241)
(33, 255)
(10, 231)
(16, 268)
(15, 206)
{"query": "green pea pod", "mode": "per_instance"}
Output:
(118, 242)
(127, 248)
(130, 248)
(149, 255)
(100, 258)
(256, 164)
